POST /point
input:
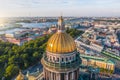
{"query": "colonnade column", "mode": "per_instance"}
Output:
(51, 76)
(77, 73)
(66, 76)
(73, 75)
(57, 76)
(54, 76)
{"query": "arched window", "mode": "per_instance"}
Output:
(62, 59)
(66, 59)
(70, 58)
(58, 59)
(54, 58)
(73, 58)
(50, 58)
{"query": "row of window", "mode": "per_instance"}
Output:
(59, 59)
(98, 64)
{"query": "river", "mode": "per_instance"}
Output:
(27, 25)
(31, 25)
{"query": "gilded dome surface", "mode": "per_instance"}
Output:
(60, 43)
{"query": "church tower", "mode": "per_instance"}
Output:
(61, 60)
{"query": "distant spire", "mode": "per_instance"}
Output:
(27, 73)
(61, 26)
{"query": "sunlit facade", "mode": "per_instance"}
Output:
(101, 63)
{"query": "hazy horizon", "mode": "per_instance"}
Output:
(54, 8)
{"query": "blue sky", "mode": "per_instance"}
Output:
(16, 8)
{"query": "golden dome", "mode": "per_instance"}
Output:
(20, 76)
(60, 43)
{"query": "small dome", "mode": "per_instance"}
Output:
(61, 43)
(20, 76)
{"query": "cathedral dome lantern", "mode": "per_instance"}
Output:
(61, 24)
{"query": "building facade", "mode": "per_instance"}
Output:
(101, 63)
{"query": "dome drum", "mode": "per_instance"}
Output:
(61, 58)
(73, 64)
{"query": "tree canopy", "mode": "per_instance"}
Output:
(13, 57)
